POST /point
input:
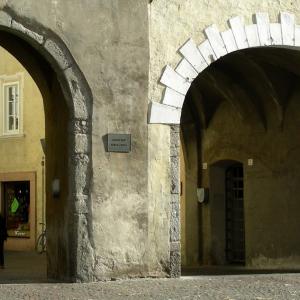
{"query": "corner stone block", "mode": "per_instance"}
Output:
(5, 19)
(81, 126)
(25, 31)
(81, 143)
(175, 223)
(84, 250)
(174, 141)
(81, 206)
(81, 175)
(175, 182)
(175, 264)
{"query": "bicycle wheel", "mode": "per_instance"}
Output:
(41, 243)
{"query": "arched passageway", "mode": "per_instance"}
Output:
(242, 112)
(244, 108)
(67, 104)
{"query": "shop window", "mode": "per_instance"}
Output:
(17, 202)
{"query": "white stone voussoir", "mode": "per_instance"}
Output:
(191, 53)
(186, 70)
(173, 98)
(173, 80)
(196, 58)
(164, 114)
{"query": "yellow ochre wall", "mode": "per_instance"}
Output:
(23, 153)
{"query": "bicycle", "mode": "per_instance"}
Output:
(41, 241)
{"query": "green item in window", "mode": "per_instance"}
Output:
(14, 205)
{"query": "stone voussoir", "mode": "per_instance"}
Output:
(5, 19)
(57, 53)
(80, 106)
(27, 32)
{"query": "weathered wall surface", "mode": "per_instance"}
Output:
(172, 23)
(111, 49)
(131, 199)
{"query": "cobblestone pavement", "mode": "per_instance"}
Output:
(260, 287)
(25, 278)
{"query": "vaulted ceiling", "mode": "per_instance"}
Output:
(256, 81)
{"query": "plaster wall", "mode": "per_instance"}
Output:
(111, 49)
(171, 24)
(189, 209)
(122, 57)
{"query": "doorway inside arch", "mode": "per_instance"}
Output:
(234, 214)
(227, 213)
(239, 163)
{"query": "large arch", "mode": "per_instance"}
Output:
(44, 53)
(195, 59)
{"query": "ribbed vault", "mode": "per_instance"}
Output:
(257, 83)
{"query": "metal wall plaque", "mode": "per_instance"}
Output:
(119, 143)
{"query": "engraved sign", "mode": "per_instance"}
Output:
(119, 143)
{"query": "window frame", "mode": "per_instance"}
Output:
(9, 80)
(6, 115)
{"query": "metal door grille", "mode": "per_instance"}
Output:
(235, 225)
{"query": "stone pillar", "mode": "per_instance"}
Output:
(175, 256)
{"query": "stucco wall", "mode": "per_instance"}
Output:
(111, 49)
(173, 22)
(131, 192)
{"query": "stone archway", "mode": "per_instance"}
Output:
(77, 225)
(196, 58)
